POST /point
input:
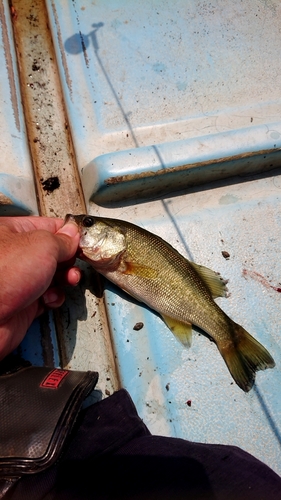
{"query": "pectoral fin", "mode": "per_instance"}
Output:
(215, 283)
(182, 331)
(139, 270)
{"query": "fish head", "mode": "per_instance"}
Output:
(101, 243)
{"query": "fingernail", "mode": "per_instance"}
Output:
(78, 277)
(49, 297)
(70, 229)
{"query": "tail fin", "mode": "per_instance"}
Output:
(244, 357)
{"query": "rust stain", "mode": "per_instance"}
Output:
(186, 167)
(62, 53)
(14, 13)
(4, 200)
(48, 132)
(9, 66)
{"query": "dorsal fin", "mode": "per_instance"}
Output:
(215, 283)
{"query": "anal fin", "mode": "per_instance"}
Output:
(182, 331)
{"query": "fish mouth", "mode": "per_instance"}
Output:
(70, 217)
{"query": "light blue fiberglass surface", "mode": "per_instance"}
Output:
(193, 89)
(198, 82)
(17, 193)
(161, 169)
(163, 96)
(189, 392)
(174, 110)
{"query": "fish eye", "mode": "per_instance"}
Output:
(88, 221)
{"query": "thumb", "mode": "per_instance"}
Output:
(69, 237)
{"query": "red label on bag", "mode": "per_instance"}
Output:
(54, 378)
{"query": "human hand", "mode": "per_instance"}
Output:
(36, 259)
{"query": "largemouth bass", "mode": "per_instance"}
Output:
(182, 292)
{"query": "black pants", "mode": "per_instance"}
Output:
(112, 455)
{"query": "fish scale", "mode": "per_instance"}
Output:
(182, 292)
(177, 290)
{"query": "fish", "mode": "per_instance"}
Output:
(182, 292)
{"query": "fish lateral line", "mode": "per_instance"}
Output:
(183, 290)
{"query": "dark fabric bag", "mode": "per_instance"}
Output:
(111, 455)
(38, 408)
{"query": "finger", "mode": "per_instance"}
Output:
(53, 297)
(73, 276)
(30, 223)
(68, 237)
(70, 276)
(62, 266)
(41, 307)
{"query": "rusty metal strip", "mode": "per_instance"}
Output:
(4, 200)
(56, 176)
(57, 180)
